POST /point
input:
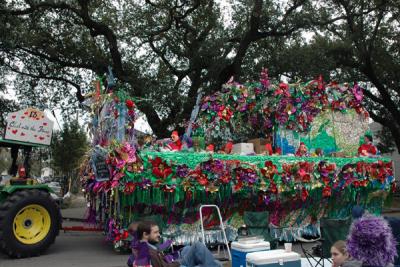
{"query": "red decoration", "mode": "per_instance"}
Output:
(210, 148)
(129, 188)
(273, 188)
(129, 104)
(202, 179)
(125, 235)
(225, 113)
(304, 194)
(327, 191)
(160, 168)
(238, 186)
(225, 178)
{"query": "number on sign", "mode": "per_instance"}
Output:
(33, 114)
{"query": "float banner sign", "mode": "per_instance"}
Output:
(29, 125)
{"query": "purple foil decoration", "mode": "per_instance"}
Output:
(371, 241)
(218, 166)
(182, 170)
(207, 165)
(247, 175)
(204, 106)
(90, 217)
(265, 79)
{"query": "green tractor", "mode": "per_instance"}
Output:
(30, 218)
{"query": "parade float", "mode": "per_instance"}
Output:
(309, 167)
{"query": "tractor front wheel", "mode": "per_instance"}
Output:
(29, 223)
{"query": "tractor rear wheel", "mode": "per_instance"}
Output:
(29, 223)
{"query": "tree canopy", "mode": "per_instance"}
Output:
(163, 52)
(68, 148)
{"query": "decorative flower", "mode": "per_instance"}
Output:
(284, 86)
(129, 188)
(238, 186)
(182, 170)
(160, 168)
(246, 175)
(225, 113)
(129, 104)
(270, 169)
(358, 92)
(327, 191)
(225, 178)
(265, 79)
(200, 177)
(273, 188)
(304, 194)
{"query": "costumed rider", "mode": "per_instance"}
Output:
(268, 146)
(176, 144)
(302, 151)
(367, 148)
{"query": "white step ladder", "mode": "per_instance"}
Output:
(221, 223)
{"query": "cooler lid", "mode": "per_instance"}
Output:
(271, 256)
(250, 245)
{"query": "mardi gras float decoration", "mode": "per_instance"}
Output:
(315, 113)
(125, 183)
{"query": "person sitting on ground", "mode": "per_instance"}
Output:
(367, 148)
(339, 253)
(135, 245)
(371, 243)
(148, 253)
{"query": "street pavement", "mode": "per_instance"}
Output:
(73, 249)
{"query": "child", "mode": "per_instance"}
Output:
(339, 253)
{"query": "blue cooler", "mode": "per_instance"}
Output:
(273, 258)
(240, 249)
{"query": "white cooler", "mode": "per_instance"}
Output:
(240, 249)
(273, 258)
(243, 148)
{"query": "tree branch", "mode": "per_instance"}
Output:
(102, 29)
(393, 127)
(78, 94)
(175, 71)
(374, 98)
(57, 60)
(36, 7)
